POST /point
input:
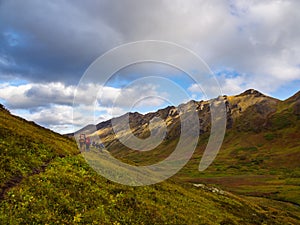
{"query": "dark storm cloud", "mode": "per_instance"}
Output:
(51, 40)
(56, 40)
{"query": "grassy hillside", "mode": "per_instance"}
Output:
(45, 181)
(27, 148)
(260, 155)
(262, 161)
(69, 192)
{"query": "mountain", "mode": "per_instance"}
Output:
(260, 154)
(241, 111)
(44, 179)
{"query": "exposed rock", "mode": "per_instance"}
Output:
(229, 123)
(248, 111)
(234, 106)
(199, 185)
(173, 112)
(297, 108)
(211, 189)
(252, 92)
(264, 108)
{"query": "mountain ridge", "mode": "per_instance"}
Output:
(251, 92)
(236, 105)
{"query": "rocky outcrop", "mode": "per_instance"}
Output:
(252, 92)
(297, 108)
(211, 189)
(248, 111)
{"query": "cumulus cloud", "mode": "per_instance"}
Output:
(55, 117)
(51, 104)
(33, 95)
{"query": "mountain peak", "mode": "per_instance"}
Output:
(251, 92)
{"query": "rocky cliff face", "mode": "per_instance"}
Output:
(294, 101)
(248, 111)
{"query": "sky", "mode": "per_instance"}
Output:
(47, 46)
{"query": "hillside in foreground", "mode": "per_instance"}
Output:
(44, 180)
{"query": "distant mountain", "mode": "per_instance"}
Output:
(249, 110)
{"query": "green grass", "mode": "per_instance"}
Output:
(280, 121)
(26, 147)
(244, 168)
(70, 192)
(270, 136)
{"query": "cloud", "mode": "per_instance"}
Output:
(51, 104)
(250, 36)
(264, 45)
(51, 43)
(195, 88)
(55, 117)
(34, 95)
